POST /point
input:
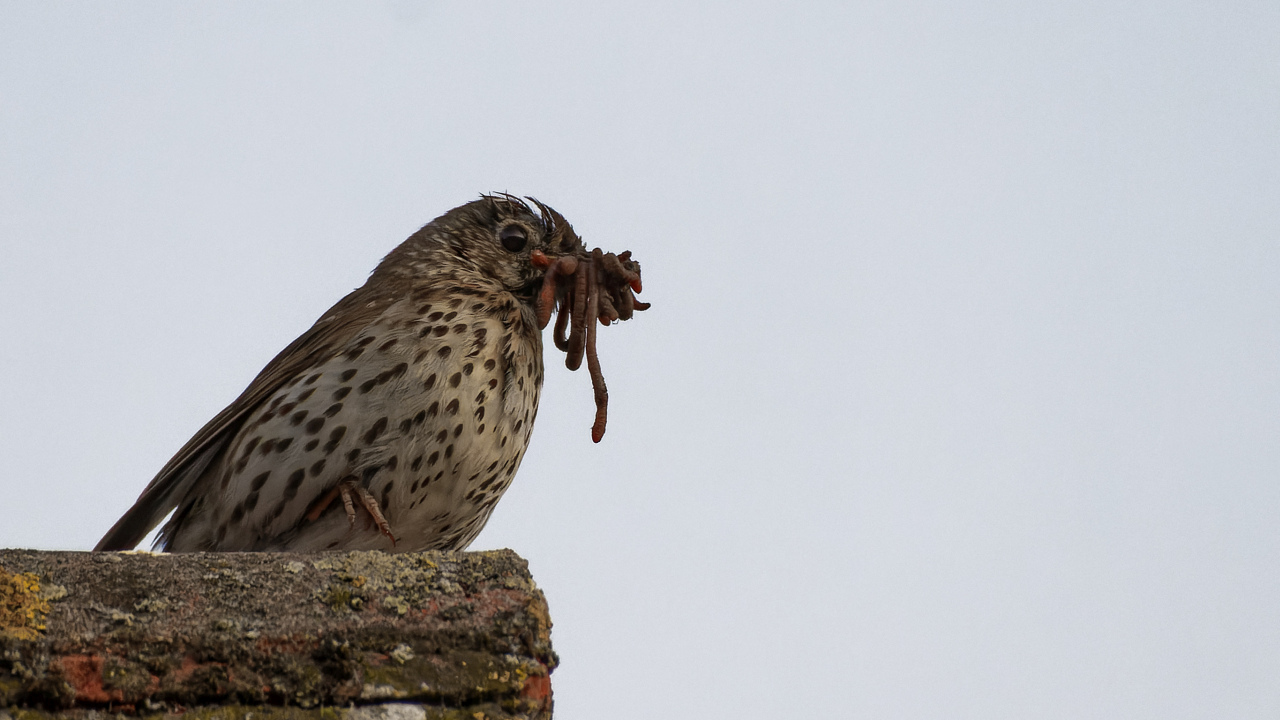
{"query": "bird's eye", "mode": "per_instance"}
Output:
(513, 238)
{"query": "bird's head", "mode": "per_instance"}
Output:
(493, 240)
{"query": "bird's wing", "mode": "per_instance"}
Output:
(333, 330)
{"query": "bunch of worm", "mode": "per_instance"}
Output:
(583, 288)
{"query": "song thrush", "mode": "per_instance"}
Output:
(401, 416)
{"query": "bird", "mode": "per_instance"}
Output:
(397, 421)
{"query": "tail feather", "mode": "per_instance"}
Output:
(157, 501)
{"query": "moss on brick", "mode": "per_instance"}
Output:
(137, 633)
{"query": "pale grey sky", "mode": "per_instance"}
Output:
(958, 398)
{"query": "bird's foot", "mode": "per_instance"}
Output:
(349, 490)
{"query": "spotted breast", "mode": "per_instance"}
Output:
(429, 410)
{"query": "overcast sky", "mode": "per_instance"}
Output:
(959, 397)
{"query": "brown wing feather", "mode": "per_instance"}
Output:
(333, 330)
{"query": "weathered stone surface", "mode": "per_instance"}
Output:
(341, 636)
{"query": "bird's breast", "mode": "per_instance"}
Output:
(430, 408)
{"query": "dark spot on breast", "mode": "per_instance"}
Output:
(364, 342)
(424, 309)
(518, 424)
(311, 445)
(333, 410)
(237, 515)
(504, 441)
(421, 416)
(480, 398)
(454, 303)
(480, 413)
(435, 316)
(354, 353)
(302, 397)
(334, 437)
(375, 430)
(283, 443)
(448, 452)
(452, 407)
(353, 455)
(493, 384)
(417, 462)
(314, 425)
(251, 501)
(267, 446)
(253, 443)
(393, 373)
(442, 436)
(347, 375)
(405, 424)
(466, 369)
(367, 385)
(458, 430)
(459, 328)
(259, 481)
(392, 463)
(480, 430)
(287, 408)
(422, 354)
(490, 364)
(434, 409)
(341, 392)
(293, 483)
(440, 331)
(368, 473)
(455, 379)
(425, 331)
(298, 417)
(387, 345)
(433, 458)
(312, 379)
(430, 382)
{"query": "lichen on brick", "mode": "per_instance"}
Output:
(23, 606)
(281, 636)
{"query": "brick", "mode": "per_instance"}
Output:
(347, 636)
